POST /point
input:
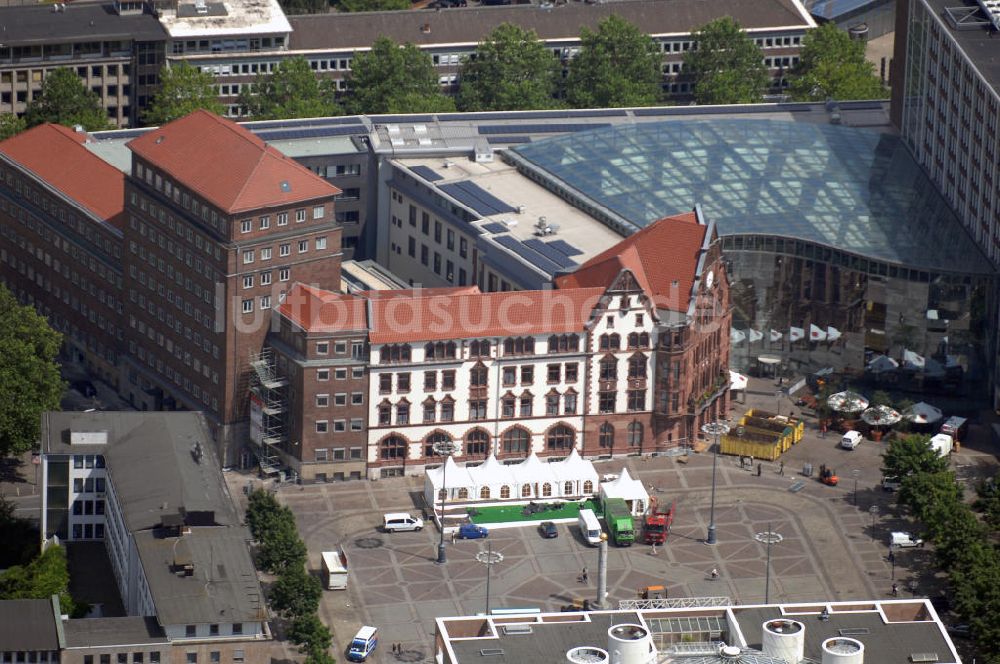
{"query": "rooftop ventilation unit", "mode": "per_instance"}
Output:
(784, 639)
(630, 644)
(517, 629)
(200, 7)
(587, 655)
(88, 438)
(841, 650)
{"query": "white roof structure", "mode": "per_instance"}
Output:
(627, 489)
(227, 18)
(882, 364)
(923, 413)
(492, 473)
(456, 476)
(573, 468)
(532, 470)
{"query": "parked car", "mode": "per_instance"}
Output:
(890, 484)
(961, 630)
(548, 530)
(84, 387)
(904, 540)
(401, 521)
(472, 531)
(851, 440)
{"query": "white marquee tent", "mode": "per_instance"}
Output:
(572, 478)
(632, 491)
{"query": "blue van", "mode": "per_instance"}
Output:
(363, 644)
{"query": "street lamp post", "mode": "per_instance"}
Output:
(489, 558)
(444, 449)
(873, 510)
(855, 473)
(716, 430)
(892, 561)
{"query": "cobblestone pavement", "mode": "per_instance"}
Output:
(832, 546)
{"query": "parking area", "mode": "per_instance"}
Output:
(832, 544)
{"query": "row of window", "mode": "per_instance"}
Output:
(516, 440)
(340, 426)
(88, 461)
(88, 507)
(340, 399)
(635, 400)
(608, 367)
(526, 491)
(340, 374)
(89, 485)
(340, 454)
(284, 249)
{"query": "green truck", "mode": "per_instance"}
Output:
(621, 530)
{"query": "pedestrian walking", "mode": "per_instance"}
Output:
(822, 431)
(895, 590)
(584, 577)
(781, 469)
(891, 558)
(454, 536)
(714, 574)
(653, 549)
(760, 469)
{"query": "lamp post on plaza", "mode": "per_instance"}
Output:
(873, 510)
(489, 558)
(716, 430)
(855, 473)
(444, 449)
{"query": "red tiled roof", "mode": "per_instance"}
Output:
(226, 164)
(421, 292)
(464, 316)
(56, 154)
(442, 313)
(663, 258)
(316, 310)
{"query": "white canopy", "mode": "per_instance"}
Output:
(882, 364)
(923, 413)
(532, 470)
(847, 402)
(573, 468)
(737, 381)
(630, 490)
(493, 474)
(880, 416)
(456, 476)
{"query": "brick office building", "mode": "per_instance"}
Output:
(219, 225)
(627, 355)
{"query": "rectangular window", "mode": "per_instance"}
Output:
(284, 249)
(248, 281)
(247, 306)
(303, 246)
(282, 218)
(320, 243)
(385, 383)
(527, 374)
(341, 374)
(322, 347)
(554, 373)
(284, 274)
(569, 404)
(340, 399)
(526, 406)
(357, 424)
(430, 380)
(246, 226)
(357, 398)
(238, 656)
(571, 372)
(340, 426)
(322, 426)
(248, 256)
(430, 411)
(447, 411)
(451, 240)
(265, 223)
(411, 247)
(424, 254)
(190, 630)
(448, 379)
(322, 374)
(636, 400)
(552, 404)
(300, 216)
(477, 409)
(403, 382)
(213, 629)
(265, 254)
(463, 247)
(318, 212)
(322, 400)
(509, 376)
(606, 402)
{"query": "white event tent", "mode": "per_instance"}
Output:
(573, 478)
(630, 490)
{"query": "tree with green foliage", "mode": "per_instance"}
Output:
(833, 66)
(273, 526)
(290, 91)
(881, 398)
(618, 65)
(183, 89)
(11, 125)
(19, 537)
(296, 593)
(727, 66)
(263, 510)
(305, 6)
(988, 501)
(910, 455)
(394, 79)
(321, 657)
(43, 577)
(511, 70)
(65, 100)
(309, 633)
(373, 5)
(30, 383)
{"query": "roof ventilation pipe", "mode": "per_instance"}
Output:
(784, 639)
(841, 650)
(630, 644)
(587, 655)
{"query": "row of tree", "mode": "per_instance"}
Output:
(965, 542)
(295, 594)
(41, 578)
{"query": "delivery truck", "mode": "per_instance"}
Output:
(335, 570)
(621, 529)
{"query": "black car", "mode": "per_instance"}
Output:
(548, 530)
(85, 387)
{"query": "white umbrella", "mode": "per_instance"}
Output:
(737, 381)
(847, 402)
(882, 364)
(922, 413)
(881, 416)
(736, 336)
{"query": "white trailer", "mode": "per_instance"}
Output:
(335, 570)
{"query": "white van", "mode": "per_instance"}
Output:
(363, 644)
(335, 570)
(850, 440)
(399, 521)
(590, 528)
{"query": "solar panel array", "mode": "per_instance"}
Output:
(506, 139)
(530, 256)
(565, 247)
(312, 132)
(541, 128)
(554, 255)
(494, 227)
(426, 172)
(475, 197)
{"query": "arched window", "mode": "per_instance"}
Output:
(635, 433)
(644, 340)
(567, 488)
(463, 494)
(607, 436)
(436, 437)
(637, 366)
(484, 493)
(519, 346)
(560, 437)
(505, 492)
(554, 344)
(633, 339)
(477, 442)
(609, 369)
(526, 491)
(478, 376)
(516, 440)
(439, 350)
(395, 353)
(546, 490)
(393, 447)
(479, 348)
(588, 487)
(616, 342)
(610, 342)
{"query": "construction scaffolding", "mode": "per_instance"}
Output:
(268, 406)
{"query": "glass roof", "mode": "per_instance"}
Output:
(856, 190)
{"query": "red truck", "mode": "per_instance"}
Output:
(657, 523)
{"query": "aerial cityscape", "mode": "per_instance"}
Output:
(508, 331)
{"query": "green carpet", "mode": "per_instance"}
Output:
(509, 513)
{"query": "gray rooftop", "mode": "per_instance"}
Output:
(79, 22)
(151, 463)
(469, 25)
(885, 642)
(95, 632)
(28, 624)
(977, 44)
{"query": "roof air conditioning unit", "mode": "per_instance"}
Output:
(521, 209)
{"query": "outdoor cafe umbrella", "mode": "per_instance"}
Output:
(922, 413)
(881, 416)
(847, 402)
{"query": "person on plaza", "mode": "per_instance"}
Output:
(714, 573)
(781, 469)
(760, 469)
(454, 536)
(895, 590)
(583, 575)
(653, 549)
